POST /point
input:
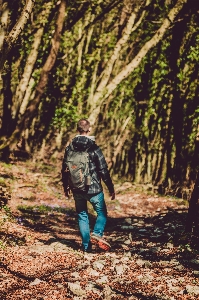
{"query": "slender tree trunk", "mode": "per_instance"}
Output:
(19, 100)
(131, 26)
(32, 108)
(192, 223)
(193, 207)
(4, 17)
(120, 145)
(15, 32)
(177, 109)
(7, 103)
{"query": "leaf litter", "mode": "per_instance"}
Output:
(40, 258)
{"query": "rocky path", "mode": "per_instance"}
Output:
(40, 257)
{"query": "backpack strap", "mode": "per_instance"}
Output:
(71, 145)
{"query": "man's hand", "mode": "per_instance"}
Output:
(112, 196)
(67, 193)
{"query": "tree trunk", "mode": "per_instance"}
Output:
(192, 215)
(177, 109)
(4, 17)
(32, 108)
(105, 76)
(192, 223)
(127, 70)
(5, 129)
(15, 32)
(19, 100)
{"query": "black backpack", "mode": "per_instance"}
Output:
(77, 166)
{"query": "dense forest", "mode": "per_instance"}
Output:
(130, 67)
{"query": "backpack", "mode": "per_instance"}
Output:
(77, 166)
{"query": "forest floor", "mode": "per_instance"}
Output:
(40, 241)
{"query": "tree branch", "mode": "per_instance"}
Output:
(102, 95)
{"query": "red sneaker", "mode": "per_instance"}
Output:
(100, 242)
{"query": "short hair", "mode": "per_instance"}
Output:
(83, 125)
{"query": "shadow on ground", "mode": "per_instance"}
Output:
(140, 235)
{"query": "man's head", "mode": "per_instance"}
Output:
(83, 126)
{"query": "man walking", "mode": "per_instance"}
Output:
(94, 193)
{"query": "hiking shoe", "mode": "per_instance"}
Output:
(100, 242)
(88, 250)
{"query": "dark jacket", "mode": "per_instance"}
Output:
(97, 165)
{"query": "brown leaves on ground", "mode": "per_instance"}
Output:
(40, 241)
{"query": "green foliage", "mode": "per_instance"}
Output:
(147, 96)
(6, 217)
(65, 116)
(193, 55)
(41, 209)
(8, 214)
(2, 182)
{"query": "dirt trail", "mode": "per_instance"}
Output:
(40, 257)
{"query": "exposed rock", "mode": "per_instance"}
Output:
(120, 269)
(60, 286)
(143, 263)
(98, 265)
(192, 290)
(145, 278)
(128, 220)
(127, 242)
(128, 227)
(92, 272)
(102, 280)
(76, 289)
(36, 281)
(75, 275)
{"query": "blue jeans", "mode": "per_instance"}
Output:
(99, 205)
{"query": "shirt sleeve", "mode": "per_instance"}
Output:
(102, 168)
